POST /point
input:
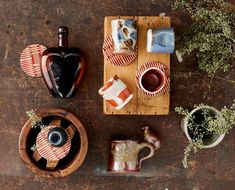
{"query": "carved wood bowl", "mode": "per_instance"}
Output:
(67, 165)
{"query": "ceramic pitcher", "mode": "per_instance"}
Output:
(124, 155)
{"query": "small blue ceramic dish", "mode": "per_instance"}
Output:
(161, 40)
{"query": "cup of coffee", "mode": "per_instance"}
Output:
(116, 92)
(124, 34)
(152, 79)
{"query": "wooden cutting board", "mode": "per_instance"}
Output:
(140, 104)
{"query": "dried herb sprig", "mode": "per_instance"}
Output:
(211, 36)
(35, 119)
(216, 125)
(36, 122)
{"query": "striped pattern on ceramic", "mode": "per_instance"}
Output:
(48, 151)
(116, 92)
(117, 60)
(158, 65)
(30, 59)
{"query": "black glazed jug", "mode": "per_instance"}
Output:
(57, 136)
(63, 68)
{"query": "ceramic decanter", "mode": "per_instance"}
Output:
(62, 67)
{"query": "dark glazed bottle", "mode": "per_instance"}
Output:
(63, 68)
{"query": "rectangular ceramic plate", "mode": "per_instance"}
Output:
(140, 104)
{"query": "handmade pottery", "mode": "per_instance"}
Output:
(63, 68)
(152, 79)
(116, 59)
(47, 160)
(210, 141)
(50, 145)
(124, 155)
(124, 33)
(151, 137)
(116, 93)
(30, 59)
(161, 40)
(57, 137)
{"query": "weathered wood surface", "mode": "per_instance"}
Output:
(26, 22)
(140, 103)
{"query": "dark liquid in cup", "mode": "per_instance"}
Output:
(151, 80)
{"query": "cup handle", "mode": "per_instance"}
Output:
(146, 145)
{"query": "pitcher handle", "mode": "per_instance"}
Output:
(146, 145)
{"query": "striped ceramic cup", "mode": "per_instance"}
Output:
(116, 93)
(152, 79)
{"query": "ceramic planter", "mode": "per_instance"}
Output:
(211, 142)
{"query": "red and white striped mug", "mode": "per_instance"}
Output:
(116, 93)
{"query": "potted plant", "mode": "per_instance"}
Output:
(205, 127)
(211, 35)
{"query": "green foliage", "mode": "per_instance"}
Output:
(211, 36)
(215, 125)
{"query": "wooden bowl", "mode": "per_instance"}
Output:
(70, 162)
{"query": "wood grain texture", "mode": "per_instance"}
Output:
(140, 103)
(70, 167)
(24, 22)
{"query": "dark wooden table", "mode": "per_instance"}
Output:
(24, 22)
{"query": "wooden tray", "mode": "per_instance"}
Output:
(140, 104)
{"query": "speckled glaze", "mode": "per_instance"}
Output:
(124, 33)
(123, 157)
(161, 40)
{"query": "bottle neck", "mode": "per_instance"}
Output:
(63, 39)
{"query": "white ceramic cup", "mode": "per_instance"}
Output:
(124, 34)
(116, 93)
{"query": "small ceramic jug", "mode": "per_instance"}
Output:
(124, 33)
(123, 156)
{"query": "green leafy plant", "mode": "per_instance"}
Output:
(211, 35)
(210, 124)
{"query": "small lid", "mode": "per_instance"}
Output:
(30, 59)
(63, 30)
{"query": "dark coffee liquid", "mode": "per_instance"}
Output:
(151, 80)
